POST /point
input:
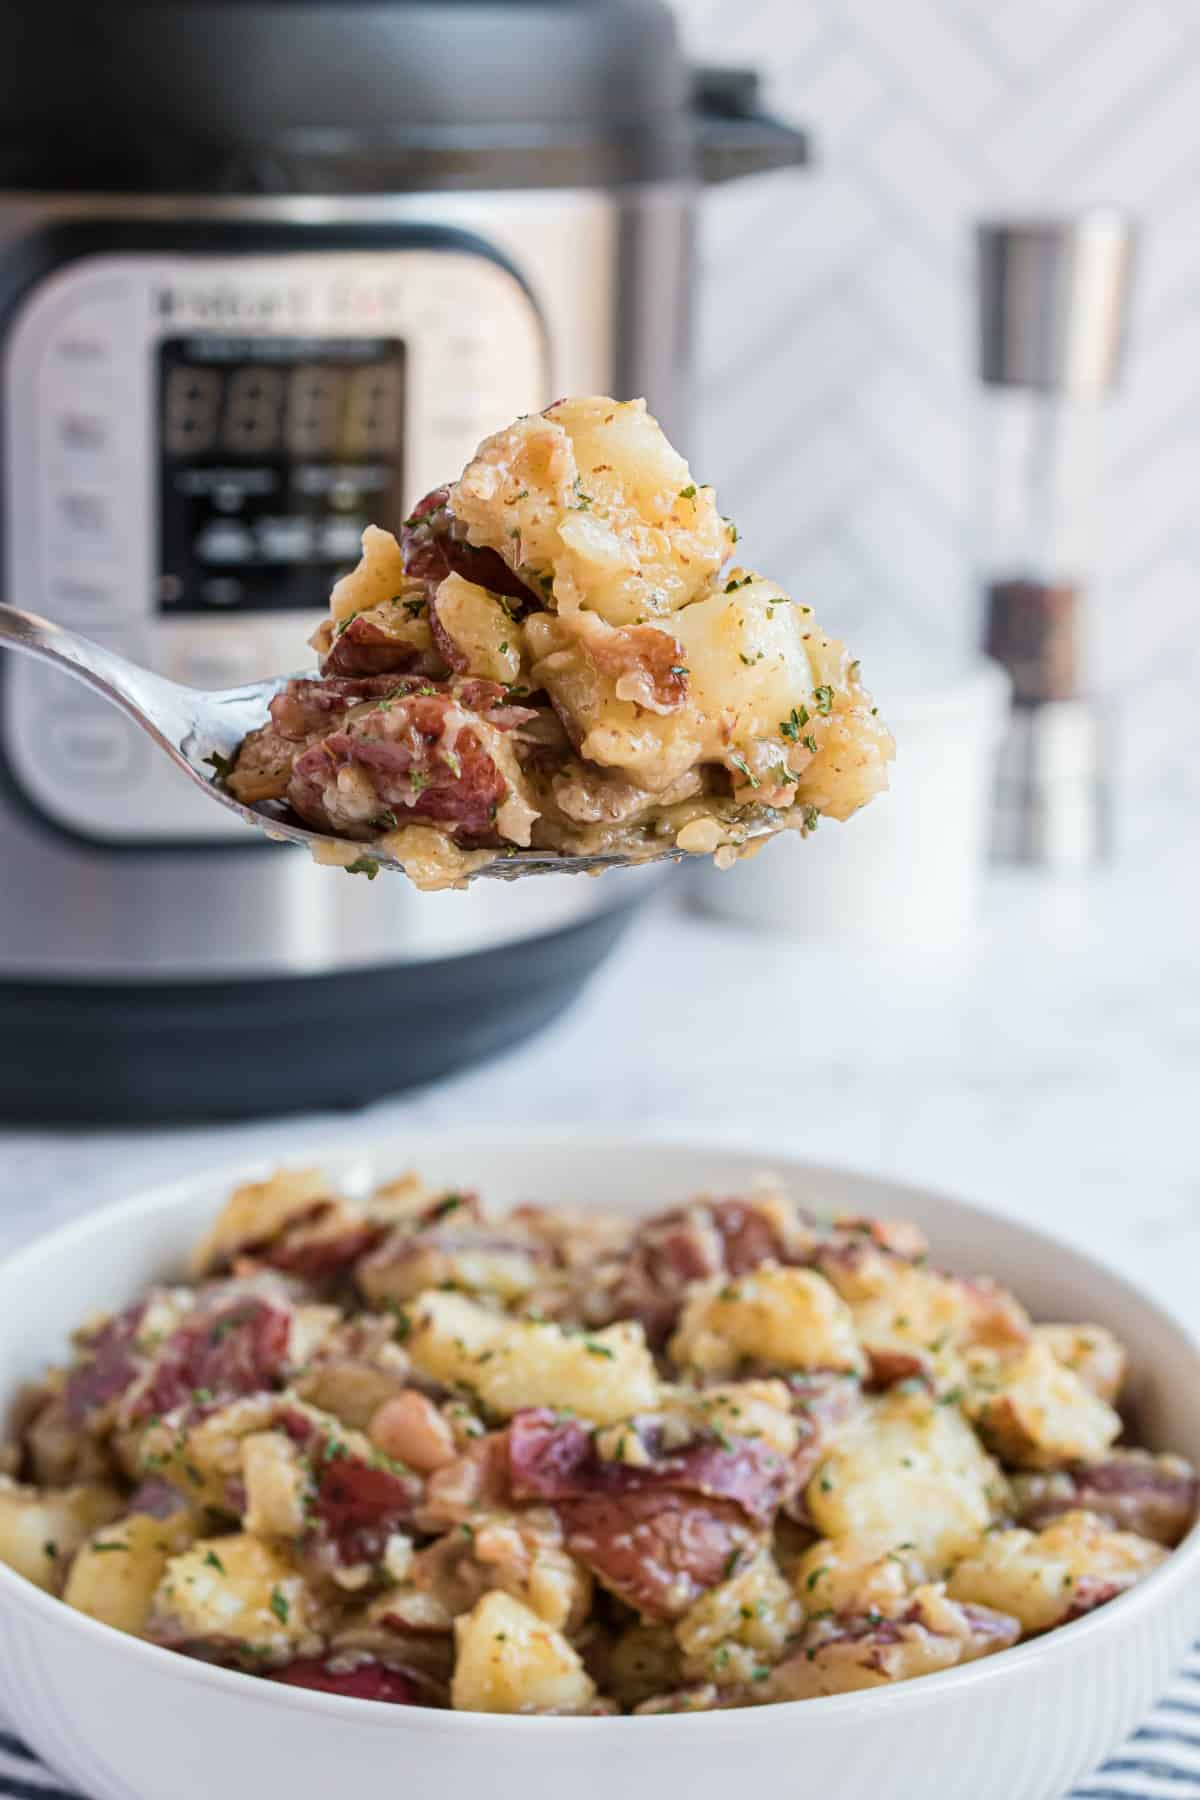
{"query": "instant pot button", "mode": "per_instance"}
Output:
(83, 525)
(93, 748)
(82, 433)
(82, 349)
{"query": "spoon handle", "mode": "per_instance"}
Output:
(134, 690)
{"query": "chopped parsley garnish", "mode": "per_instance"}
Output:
(595, 1349)
(810, 743)
(811, 817)
(688, 493)
(213, 1561)
(221, 766)
(793, 725)
(824, 698)
(403, 1326)
(101, 1548)
(51, 1548)
(731, 1563)
(733, 584)
(414, 608)
(363, 865)
(279, 1606)
(445, 1207)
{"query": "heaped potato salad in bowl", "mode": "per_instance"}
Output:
(559, 652)
(579, 1464)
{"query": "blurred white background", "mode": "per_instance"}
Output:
(837, 308)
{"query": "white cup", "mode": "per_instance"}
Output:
(908, 867)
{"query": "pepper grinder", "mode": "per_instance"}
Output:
(1052, 305)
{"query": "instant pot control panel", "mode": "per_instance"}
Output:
(193, 444)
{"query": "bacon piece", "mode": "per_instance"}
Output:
(656, 1551)
(353, 1497)
(365, 645)
(890, 1365)
(111, 1368)
(306, 706)
(1155, 1496)
(239, 1349)
(644, 664)
(423, 756)
(364, 1681)
(357, 1505)
(555, 1459)
(433, 548)
(318, 1258)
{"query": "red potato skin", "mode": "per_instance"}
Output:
(110, 1370)
(431, 552)
(405, 749)
(657, 1536)
(369, 1681)
(658, 1552)
(238, 1350)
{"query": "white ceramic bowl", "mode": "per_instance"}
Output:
(122, 1720)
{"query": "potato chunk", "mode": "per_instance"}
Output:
(238, 1592)
(761, 690)
(594, 508)
(515, 1363)
(843, 1576)
(116, 1573)
(510, 1661)
(1036, 1413)
(258, 1212)
(783, 1318)
(477, 630)
(276, 1482)
(1044, 1578)
(916, 1320)
(1093, 1353)
(908, 1471)
(40, 1532)
(739, 1628)
(377, 578)
(845, 1655)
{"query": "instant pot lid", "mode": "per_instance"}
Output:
(328, 96)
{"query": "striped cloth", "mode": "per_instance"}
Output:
(1161, 1761)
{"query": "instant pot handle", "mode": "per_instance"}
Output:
(734, 136)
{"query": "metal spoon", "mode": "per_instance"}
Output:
(197, 729)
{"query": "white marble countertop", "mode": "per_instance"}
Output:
(1052, 1069)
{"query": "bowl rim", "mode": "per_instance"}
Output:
(1181, 1566)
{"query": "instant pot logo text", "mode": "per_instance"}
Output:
(226, 304)
(218, 304)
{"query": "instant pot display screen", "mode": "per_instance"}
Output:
(274, 454)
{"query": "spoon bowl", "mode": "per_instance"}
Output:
(200, 731)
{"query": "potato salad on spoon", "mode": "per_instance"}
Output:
(560, 653)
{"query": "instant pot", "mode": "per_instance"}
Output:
(269, 271)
